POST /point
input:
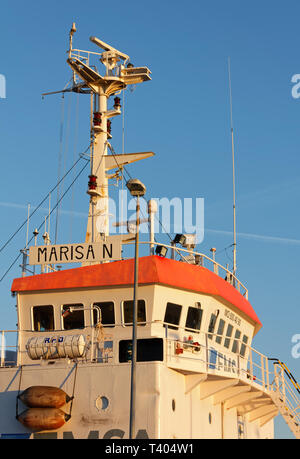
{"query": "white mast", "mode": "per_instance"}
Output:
(117, 77)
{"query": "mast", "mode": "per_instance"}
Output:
(233, 172)
(101, 88)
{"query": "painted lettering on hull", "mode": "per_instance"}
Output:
(92, 435)
(221, 362)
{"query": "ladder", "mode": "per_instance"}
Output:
(286, 396)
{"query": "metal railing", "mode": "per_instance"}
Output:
(8, 350)
(202, 349)
(250, 365)
(287, 392)
(200, 259)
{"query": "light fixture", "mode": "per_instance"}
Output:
(117, 103)
(179, 239)
(136, 187)
(161, 250)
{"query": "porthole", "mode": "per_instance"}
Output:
(102, 403)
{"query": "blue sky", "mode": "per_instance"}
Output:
(183, 116)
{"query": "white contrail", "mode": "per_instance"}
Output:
(42, 209)
(276, 239)
(259, 237)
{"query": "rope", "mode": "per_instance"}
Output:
(74, 154)
(40, 204)
(72, 398)
(19, 390)
(130, 177)
(15, 260)
(59, 159)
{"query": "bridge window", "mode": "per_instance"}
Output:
(107, 313)
(172, 315)
(244, 346)
(194, 318)
(148, 350)
(220, 331)
(235, 346)
(212, 324)
(73, 316)
(128, 312)
(228, 334)
(43, 318)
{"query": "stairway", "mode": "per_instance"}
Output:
(285, 396)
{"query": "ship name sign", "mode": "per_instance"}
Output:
(106, 250)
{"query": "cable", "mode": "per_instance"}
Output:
(42, 202)
(59, 158)
(15, 260)
(128, 174)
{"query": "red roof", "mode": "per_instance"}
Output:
(152, 270)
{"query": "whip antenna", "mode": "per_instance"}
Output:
(233, 171)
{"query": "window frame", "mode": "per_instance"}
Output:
(244, 345)
(95, 304)
(195, 330)
(130, 324)
(212, 324)
(63, 318)
(228, 337)
(172, 325)
(236, 341)
(141, 342)
(33, 320)
(220, 332)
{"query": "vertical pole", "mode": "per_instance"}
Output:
(152, 209)
(262, 370)
(2, 349)
(134, 327)
(24, 261)
(173, 251)
(233, 175)
(251, 364)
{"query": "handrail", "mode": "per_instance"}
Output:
(253, 364)
(206, 340)
(288, 400)
(216, 265)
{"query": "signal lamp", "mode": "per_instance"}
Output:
(161, 250)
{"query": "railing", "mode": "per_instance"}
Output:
(197, 258)
(83, 55)
(8, 351)
(251, 365)
(202, 351)
(287, 390)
